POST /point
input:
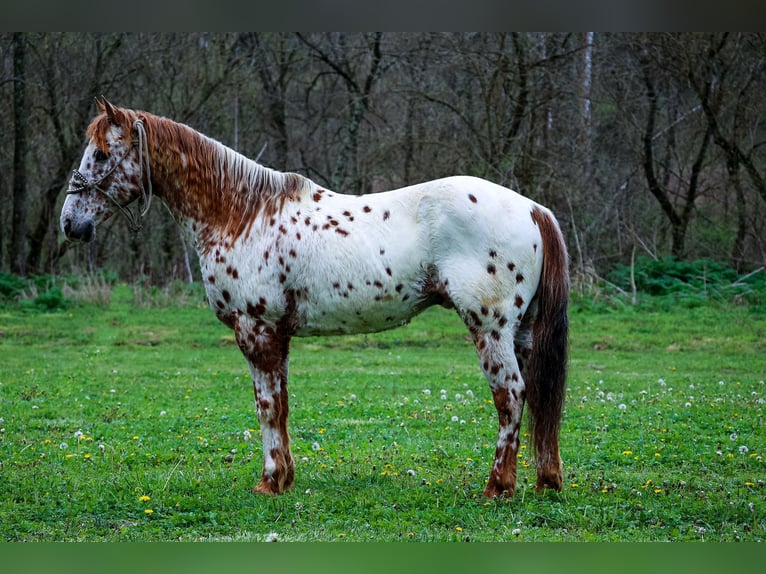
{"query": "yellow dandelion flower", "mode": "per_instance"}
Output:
(69, 455)
(750, 484)
(144, 498)
(86, 456)
(574, 485)
(148, 511)
(459, 529)
(627, 452)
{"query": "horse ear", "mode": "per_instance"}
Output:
(110, 111)
(99, 105)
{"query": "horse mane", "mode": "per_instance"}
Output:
(220, 185)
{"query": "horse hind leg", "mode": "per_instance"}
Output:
(503, 373)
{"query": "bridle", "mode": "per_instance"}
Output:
(79, 183)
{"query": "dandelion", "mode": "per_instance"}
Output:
(411, 472)
(743, 449)
(733, 436)
(63, 446)
(516, 531)
(86, 456)
(687, 404)
(272, 537)
(454, 418)
(148, 511)
(622, 406)
(469, 393)
(144, 498)
(426, 392)
(247, 435)
(315, 446)
(78, 435)
(163, 413)
(459, 528)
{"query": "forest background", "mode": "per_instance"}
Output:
(642, 144)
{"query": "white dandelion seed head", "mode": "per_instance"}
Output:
(458, 396)
(411, 472)
(622, 406)
(352, 397)
(721, 383)
(687, 404)
(516, 531)
(462, 421)
(454, 418)
(315, 446)
(272, 537)
(63, 446)
(469, 393)
(426, 392)
(246, 434)
(733, 436)
(163, 413)
(78, 435)
(661, 382)
(743, 449)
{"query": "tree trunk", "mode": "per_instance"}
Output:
(20, 121)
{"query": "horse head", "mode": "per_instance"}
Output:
(111, 174)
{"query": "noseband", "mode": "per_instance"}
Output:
(79, 183)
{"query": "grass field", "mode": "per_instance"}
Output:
(124, 422)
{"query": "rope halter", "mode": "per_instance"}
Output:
(79, 183)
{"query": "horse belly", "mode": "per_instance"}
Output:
(381, 308)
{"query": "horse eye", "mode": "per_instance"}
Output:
(100, 156)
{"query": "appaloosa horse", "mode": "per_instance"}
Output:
(281, 256)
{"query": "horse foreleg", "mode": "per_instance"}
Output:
(268, 359)
(271, 404)
(507, 386)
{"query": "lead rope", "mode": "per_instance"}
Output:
(81, 183)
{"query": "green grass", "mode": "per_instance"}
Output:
(109, 412)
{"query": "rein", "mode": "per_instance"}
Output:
(80, 183)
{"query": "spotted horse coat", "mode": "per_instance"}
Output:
(283, 257)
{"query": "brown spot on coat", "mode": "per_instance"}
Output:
(472, 197)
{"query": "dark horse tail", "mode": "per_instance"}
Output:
(546, 371)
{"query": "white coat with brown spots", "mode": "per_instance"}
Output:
(283, 257)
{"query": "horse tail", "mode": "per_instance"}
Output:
(546, 365)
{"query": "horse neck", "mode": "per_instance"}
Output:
(214, 193)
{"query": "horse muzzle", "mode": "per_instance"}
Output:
(78, 231)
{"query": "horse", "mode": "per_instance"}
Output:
(282, 257)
